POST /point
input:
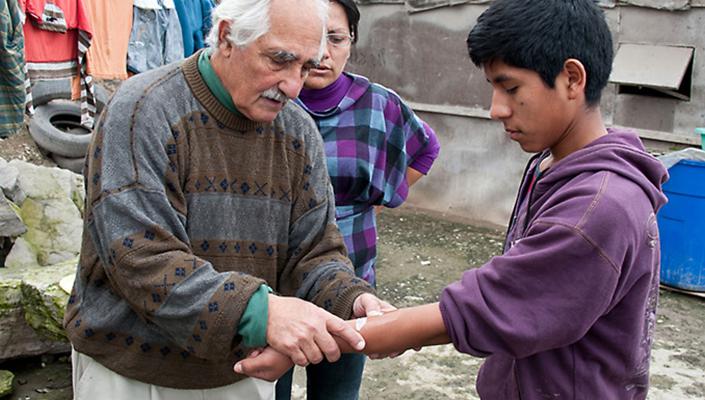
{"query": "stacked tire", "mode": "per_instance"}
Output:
(56, 123)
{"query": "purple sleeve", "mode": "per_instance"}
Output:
(546, 292)
(423, 160)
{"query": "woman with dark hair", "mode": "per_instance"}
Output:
(376, 147)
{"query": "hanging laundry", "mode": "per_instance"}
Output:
(156, 38)
(195, 19)
(12, 77)
(53, 18)
(54, 55)
(112, 24)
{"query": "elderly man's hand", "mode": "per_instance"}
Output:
(368, 305)
(267, 364)
(304, 332)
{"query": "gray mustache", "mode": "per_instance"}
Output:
(275, 94)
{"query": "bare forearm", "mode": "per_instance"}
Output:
(412, 176)
(401, 330)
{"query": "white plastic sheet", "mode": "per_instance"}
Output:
(690, 153)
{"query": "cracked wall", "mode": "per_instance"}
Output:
(418, 49)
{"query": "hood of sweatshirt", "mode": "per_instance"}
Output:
(621, 152)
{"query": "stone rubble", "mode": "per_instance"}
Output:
(6, 379)
(43, 217)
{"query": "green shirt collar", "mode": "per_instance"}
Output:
(213, 82)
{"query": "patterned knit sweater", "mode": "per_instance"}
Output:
(189, 210)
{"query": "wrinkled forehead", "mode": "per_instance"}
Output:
(292, 18)
(295, 27)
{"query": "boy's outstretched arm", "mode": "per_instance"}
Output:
(393, 332)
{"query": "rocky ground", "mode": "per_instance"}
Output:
(20, 146)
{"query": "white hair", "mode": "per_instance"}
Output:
(249, 20)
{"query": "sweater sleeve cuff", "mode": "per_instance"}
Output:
(253, 324)
(344, 303)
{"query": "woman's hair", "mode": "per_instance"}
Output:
(353, 15)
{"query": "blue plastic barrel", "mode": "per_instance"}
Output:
(682, 227)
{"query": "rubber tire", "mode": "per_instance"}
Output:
(45, 91)
(71, 164)
(55, 127)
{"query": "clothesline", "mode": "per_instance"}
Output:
(83, 39)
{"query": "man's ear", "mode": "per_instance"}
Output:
(223, 32)
(575, 72)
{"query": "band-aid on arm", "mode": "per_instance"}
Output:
(359, 323)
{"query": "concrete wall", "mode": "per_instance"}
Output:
(423, 57)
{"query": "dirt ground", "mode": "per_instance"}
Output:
(20, 146)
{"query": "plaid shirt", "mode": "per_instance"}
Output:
(371, 138)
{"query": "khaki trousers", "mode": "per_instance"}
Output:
(92, 381)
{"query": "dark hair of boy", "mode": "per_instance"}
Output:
(527, 35)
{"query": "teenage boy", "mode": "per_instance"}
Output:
(568, 309)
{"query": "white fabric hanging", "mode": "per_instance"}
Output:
(155, 4)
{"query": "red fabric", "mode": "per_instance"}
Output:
(46, 46)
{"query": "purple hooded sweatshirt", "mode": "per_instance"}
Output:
(568, 311)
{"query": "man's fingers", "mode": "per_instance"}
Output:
(312, 352)
(368, 305)
(244, 367)
(377, 356)
(328, 346)
(298, 357)
(340, 329)
(269, 365)
(255, 352)
(371, 305)
(386, 307)
(253, 367)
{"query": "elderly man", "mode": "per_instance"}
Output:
(206, 190)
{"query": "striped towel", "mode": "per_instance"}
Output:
(12, 68)
(55, 55)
